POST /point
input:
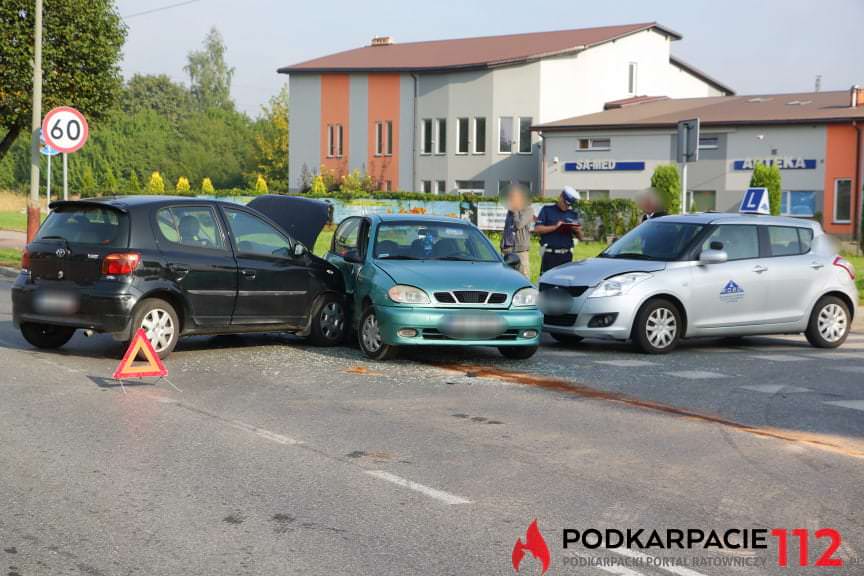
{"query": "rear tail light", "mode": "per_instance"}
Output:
(846, 265)
(120, 264)
(25, 260)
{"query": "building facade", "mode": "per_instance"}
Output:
(456, 115)
(815, 139)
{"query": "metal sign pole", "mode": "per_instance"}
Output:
(65, 176)
(48, 186)
(684, 188)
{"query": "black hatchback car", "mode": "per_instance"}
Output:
(178, 266)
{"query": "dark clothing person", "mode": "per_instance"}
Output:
(651, 216)
(556, 246)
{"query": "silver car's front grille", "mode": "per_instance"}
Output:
(470, 297)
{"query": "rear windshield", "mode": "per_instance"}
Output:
(87, 225)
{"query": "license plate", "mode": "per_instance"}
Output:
(468, 327)
(62, 303)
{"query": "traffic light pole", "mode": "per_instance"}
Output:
(33, 202)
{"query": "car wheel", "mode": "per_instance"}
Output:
(658, 327)
(829, 323)
(517, 352)
(160, 323)
(328, 322)
(567, 339)
(46, 336)
(370, 338)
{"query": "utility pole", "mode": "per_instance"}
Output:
(33, 219)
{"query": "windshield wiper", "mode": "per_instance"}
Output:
(633, 256)
(399, 257)
(52, 238)
(454, 258)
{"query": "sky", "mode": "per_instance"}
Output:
(754, 46)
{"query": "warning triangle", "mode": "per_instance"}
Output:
(140, 344)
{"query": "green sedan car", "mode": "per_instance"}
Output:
(418, 280)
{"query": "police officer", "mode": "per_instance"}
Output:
(555, 227)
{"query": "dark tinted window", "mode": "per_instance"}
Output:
(739, 241)
(805, 236)
(193, 226)
(255, 236)
(783, 241)
(87, 225)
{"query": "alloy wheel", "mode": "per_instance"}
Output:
(661, 328)
(332, 321)
(832, 322)
(159, 327)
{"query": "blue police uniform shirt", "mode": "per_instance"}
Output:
(550, 215)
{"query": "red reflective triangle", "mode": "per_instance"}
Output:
(154, 366)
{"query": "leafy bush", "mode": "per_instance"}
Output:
(183, 187)
(667, 183)
(319, 188)
(88, 184)
(765, 176)
(156, 185)
(207, 187)
(134, 185)
(260, 185)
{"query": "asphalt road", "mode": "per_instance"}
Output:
(262, 455)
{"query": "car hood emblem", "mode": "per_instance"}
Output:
(61, 252)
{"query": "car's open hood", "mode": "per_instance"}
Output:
(592, 271)
(302, 218)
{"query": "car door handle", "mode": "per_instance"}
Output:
(180, 269)
(759, 268)
(816, 265)
(248, 274)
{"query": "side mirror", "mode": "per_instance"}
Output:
(512, 260)
(299, 250)
(713, 257)
(353, 257)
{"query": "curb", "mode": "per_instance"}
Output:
(8, 272)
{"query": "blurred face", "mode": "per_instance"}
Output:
(516, 199)
(648, 204)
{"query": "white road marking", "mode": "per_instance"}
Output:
(853, 404)
(440, 495)
(266, 434)
(853, 369)
(775, 388)
(655, 562)
(779, 357)
(626, 363)
(696, 374)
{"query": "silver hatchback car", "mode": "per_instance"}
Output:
(705, 275)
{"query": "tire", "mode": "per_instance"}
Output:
(829, 323)
(328, 322)
(517, 352)
(658, 327)
(46, 336)
(370, 339)
(159, 321)
(567, 339)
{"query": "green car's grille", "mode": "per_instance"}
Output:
(470, 297)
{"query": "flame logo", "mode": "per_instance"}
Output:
(535, 544)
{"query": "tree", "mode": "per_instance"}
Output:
(81, 51)
(207, 186)
(156, 185)
(209, 74)
(157, 93)
(318, 188)
(134, 186)
(768, 176)
(109, 182)
(88, 183)
(182, 186)
(666, 183)
(271, 140)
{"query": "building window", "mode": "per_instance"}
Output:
(384, 138)
(388, 148)
(441, 136)
(843, 201)
(426, 186)
(379, 138)
(441, 187)
(527, 186)
(334, 140)
(632, 77)
(388, 186)
(426, 136)
(479, 135)
(525, 135)
(462, 136)
(709, 142)
(470, 186)
(703, 200)
(503, 187)
(798, 203)
(597, 195)
(603, 144)
(505, 135)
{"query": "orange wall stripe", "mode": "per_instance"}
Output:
(384, 107)
(839, 163)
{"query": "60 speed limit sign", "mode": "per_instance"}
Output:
(65, 129)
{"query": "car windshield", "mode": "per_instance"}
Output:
(654, 240)
(432, 241)
(87, 225)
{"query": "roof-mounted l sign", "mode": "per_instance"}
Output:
(755, 201)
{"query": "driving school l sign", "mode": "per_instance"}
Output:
(65, 129)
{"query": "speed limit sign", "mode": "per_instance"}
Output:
(65, 129)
